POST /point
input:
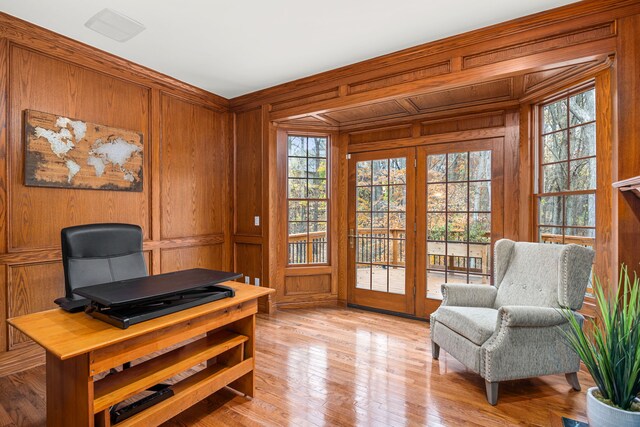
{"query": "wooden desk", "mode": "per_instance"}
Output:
(79, 347)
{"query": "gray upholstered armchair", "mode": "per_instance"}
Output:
(510, 330)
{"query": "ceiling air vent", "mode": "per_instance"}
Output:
(114, 25)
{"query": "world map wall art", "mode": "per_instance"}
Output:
(70, 153)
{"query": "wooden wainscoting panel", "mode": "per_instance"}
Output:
(530, 47)
(307, 285)
(32, 288)
(484, 92)
(404, 77)
(42, 83)
(248, 260)
(374, 110)
(380, 134)
(193, 168)
(462, 123)
(248, 171)
(175, 259)
(306, 99)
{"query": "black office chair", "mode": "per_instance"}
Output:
(99, 253)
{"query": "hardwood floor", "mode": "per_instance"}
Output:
(345, 367)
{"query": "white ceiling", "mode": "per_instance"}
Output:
(236, 47)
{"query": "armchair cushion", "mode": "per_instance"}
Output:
(529, 316)
(476, 324)
(465, 295)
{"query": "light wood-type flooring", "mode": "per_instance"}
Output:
(345, 367)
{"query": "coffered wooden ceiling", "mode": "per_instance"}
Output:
(492, 94)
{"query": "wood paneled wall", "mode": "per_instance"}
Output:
(250, 192)
(415, 95)
(185, 207)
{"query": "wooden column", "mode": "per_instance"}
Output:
(628, 110)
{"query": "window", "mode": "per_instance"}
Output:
(307, 199)
(567, 171)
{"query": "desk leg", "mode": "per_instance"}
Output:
(246, 327)
(69, 392)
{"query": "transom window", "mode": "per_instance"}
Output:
(567, 172)
(307, 199)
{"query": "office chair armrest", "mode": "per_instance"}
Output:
(72, 305)
(467, 295)
(531, 317)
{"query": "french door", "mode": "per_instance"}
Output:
(381, 230)
(460, 216)
(420, 217)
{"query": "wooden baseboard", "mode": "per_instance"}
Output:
(26, 357)
(307, 304)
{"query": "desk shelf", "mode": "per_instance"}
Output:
(189, 391)
(117, 387)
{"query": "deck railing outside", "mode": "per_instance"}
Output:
(312, 249)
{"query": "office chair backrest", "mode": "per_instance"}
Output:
(101, 253)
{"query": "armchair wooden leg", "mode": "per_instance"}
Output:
(492, 392)
(572, 379)
(435, 350)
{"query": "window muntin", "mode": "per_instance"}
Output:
(567, 170)
(307, 199)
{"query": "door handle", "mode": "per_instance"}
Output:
(352, 237)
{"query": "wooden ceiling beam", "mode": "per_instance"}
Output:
(570, 55)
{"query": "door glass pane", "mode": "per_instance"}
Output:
(397, 280)
(480, 196)
(479, 165)
(457, 194)
(363, 173)
(437, 168)
(363, 276)
(458, 220)
(381, 225)
(398, 171)
(457, 167)
(436, 226)
(381, 171)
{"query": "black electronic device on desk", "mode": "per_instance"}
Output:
(126, 302)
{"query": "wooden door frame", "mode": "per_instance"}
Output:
(424, 305)
(364, 297)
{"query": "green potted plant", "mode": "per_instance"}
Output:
(610, 349)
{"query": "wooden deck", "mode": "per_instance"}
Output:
(345, 367)
(397, 281)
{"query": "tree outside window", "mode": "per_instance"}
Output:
(307, 199)
(567, 171)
